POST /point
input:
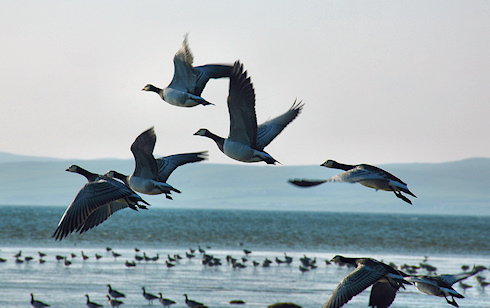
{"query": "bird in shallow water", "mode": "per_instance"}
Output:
(441, 285)
(368, 272)
(115, 293)
(189, 81)
(193, 304)
(148, 296)
(165, 301)
(150, 175)
(92, 304)
(37, 304)
(114, 302)
(367, 175)
(95, 202)
(246, 141)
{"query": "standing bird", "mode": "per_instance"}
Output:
(189, 81)
(95, 202)
(441, 285)
(148, 296)
(246, 141)
(368, 271)
(113, 302)
(92, 304)
(114, 293)
(367, 175)
(150, 175)
(192, 304)
(165, 301)
(37, 304)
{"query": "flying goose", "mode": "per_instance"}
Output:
(188, 81)
(367, 175)
(148, 296)
(95, 202)
(441, 285)
(368, 271)
(92, 304)
(36, 303)
(246, 141)
(150, 175)
(165, 301)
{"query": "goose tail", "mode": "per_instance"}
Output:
(306, 183)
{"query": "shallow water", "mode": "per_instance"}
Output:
(448, 241)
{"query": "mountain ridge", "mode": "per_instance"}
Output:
(457, 187)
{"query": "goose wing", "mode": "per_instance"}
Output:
(269, 130)
(357, 174)
(167, 164)
(142, 148)
(382, 173)
(101, 214)
(92, 196)
(184, 75)
(241, 106)
(354, 283)
(383, 293)
(452, 279)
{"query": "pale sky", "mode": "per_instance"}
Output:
(382, 81)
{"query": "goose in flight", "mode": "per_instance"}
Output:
(367, 175)
(246, 141)
(150, 175)
(441, 285)
(368, 272)
(95, 202)
(189, 81)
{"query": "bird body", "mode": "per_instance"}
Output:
(246, 141)
(364, 174)
(37, 304)
(114, 302)
(148, 296)
(192, 304)
(165, 301)
(188, 81)
(92, 304)
(115, 293)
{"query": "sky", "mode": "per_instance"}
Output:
(382, 81)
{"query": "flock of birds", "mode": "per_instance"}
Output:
(105, 194)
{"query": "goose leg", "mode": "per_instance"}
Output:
(399, 195)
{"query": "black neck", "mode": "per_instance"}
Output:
(154, 89)
(89, 175)
(344, 167)
(219, 140)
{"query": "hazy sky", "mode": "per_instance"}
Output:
(382, 81)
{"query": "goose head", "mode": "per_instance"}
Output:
(202, 132)
(73, 168)
(329, 163)
(150, 87)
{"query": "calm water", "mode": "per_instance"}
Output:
(448, 241)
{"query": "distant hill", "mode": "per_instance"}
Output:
(458, 187)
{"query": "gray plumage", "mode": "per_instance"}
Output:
(189, 81)
(95, 202)
(364, 174)
(246, 141)
(150, 175)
